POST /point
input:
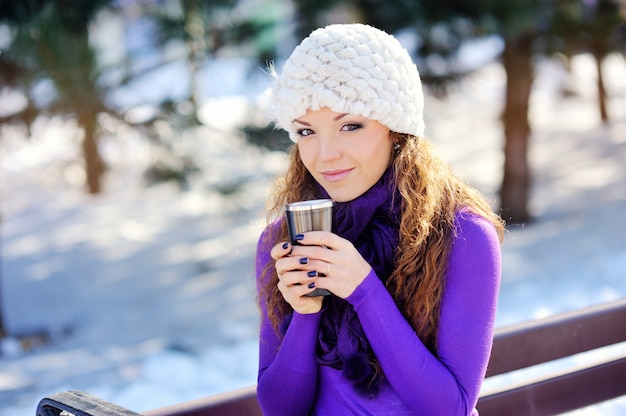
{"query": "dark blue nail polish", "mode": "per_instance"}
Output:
(285, 245)
(311, 285)
(299, 237)
(312, 273)
(304, 260)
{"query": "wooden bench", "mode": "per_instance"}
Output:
(515, 347)
(522, 346)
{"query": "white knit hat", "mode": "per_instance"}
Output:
(350, 68)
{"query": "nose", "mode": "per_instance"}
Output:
(328, 148)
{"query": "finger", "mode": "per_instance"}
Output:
(293, 291)
(320, 267)
(280, 250)
(293, 263)
(298, 278)
(318, 253)
(321, 238)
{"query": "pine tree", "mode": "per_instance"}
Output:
(51, 41)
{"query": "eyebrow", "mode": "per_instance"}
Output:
(336, 118)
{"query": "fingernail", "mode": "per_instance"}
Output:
(311, 285)
(304, 260)
(299, 237)
(312, 273)
(285, 245)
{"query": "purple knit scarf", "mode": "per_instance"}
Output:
(371, 223)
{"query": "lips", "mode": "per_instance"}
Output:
(335, 175)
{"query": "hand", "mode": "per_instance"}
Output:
(332, 261)
(342, 267)
(295, 280)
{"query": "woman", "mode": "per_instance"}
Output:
(413, 264)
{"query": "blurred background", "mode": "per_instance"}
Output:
(136, 156)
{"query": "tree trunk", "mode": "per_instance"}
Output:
(196, 43)
(514, 191)
(598, 53)
(94, 167)
(3, 332)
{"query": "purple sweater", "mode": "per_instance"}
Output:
(291, 382)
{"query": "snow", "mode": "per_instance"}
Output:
(145, 296)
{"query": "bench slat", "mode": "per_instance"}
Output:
(241, 402)
(535, 342)
(79, 403)
(563, 393)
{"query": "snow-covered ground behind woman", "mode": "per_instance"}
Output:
(145, 296)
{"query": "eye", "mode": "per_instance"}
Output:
(351, 126)
(305, 132)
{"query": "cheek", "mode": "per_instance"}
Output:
(306, 155)
(379, 152)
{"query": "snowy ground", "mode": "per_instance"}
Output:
(147, 295)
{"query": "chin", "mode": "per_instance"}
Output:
(343, 193)
(342, 197)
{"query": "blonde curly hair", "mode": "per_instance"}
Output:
(431, 195)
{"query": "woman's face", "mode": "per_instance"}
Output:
(346, 154)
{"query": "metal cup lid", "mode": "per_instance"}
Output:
(310, 205)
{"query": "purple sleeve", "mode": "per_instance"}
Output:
(448, 384)
(287, 371)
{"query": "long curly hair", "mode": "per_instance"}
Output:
(431, 194)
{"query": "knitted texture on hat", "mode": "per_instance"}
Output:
(350, 68)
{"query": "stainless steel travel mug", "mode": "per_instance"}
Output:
(314, 215)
